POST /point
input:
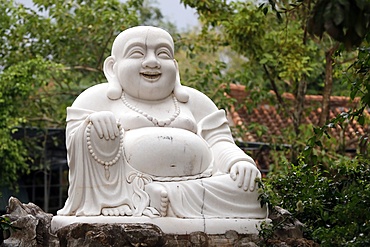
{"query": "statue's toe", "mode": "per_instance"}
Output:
(115, 212)
(125, 210)
(105, 211)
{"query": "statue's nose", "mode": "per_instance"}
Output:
(151, 61)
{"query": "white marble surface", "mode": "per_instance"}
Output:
(169, 225)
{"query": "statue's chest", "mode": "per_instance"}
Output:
(133, 120)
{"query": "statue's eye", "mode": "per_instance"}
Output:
(164, 53)
(136, 54)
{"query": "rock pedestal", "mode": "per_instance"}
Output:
(36, 229)
(33, 223)
(83, 234)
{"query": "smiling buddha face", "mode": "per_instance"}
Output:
(142, 62)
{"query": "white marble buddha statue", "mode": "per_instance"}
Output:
(144, 145)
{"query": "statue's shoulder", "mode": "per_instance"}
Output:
(195, 94)
(93, 97)
(197, 99)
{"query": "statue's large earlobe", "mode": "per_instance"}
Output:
(179, 91)
(114, 87)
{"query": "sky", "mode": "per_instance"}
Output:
(177, 13)
(172, 10)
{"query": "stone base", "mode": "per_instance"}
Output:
(167, 224)
(36, 227)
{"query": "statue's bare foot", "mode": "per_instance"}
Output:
(117, 211)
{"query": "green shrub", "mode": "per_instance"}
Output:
(332, 200)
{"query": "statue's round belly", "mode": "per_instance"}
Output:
(166, 151)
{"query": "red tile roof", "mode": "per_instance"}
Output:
(278, 125)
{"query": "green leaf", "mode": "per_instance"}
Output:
(361, 119)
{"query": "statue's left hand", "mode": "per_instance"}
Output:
(245, 174)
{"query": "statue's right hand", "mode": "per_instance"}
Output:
(105, 124)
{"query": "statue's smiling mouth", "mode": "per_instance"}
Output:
(151, 76)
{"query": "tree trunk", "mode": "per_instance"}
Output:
(325, 105)
(297, 116)
(298, 105)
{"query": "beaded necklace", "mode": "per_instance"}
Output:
(155, 121)
(106, 164)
